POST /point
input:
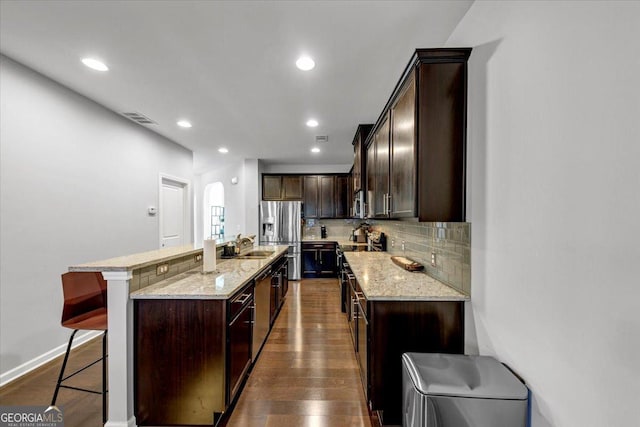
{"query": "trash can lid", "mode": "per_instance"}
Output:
(462, 376)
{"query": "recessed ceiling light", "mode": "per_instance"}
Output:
(315, 150)
(223, 150)
(94, 64)
(312, 123)
(184, 123)
(305, 63)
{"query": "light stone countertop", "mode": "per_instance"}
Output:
(144, 259)
(381, 279)
(230, 275)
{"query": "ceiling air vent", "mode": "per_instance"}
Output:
(321, 139)
(139, 118)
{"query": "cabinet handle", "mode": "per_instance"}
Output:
(388, 203)
(242, 299)
(354, 307)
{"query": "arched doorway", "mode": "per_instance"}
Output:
(214, 211)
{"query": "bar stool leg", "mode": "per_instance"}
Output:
(64, 365)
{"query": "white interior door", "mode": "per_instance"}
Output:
(172, 213)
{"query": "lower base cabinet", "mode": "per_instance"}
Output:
(191, 357)
(319, 260)
(383, 330)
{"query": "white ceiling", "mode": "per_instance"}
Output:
(228, 66)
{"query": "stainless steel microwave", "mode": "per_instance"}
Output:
(359, 205)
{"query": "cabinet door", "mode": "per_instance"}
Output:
(371, 178)
(382, 169)
(403, 152)
(274, 298)
(309, 261)
(240, 340)
(271, 187)
(310, 196)
(343, 196)
(327, 261)
(292, 187)
(442, 107)
(327, 196)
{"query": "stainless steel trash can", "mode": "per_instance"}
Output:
(450, 390)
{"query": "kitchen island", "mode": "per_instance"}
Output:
(171, 274)
(392, 311)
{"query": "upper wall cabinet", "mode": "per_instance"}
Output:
(359, 173)
(281, 187)
(423, 172)
(324, 196)
(327, 196)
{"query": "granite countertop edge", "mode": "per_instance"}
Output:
(143, 259)
(382, 280)
(195, 278)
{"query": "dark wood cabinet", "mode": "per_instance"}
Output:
(292, 187)
(239, 341)
(311, 196)
(197, 352)
(326, 196)
(282, 187)
(418, 145)
(402, 200)
(279, 287)
(442, 119)
(343, 197)
(383, 330)
(359, 173)
(319, 259)
(327, 199)
(378, 170)
(271, 187)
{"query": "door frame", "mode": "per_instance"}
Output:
(186, 194)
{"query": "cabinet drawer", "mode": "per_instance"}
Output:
(239, 301)
(314, 246)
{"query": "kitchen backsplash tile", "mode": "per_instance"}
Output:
(143, 277)
(451, 242)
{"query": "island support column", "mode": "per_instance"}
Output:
(120, 347)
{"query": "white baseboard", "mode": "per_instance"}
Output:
(36, 362)
(131, 422)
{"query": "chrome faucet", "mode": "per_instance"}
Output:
(244, 241)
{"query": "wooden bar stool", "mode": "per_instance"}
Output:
(85, 308)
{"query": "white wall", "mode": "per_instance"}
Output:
(76, 181)
(554, 202)
(234, 198)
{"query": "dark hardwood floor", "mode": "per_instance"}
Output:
(36, 388)
(306, 375)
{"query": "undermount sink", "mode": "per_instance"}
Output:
(256, 254)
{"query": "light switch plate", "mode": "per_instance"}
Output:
(198, 257)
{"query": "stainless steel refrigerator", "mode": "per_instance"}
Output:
(281, 224)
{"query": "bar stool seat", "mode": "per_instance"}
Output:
(94, 320)
(85, 308)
